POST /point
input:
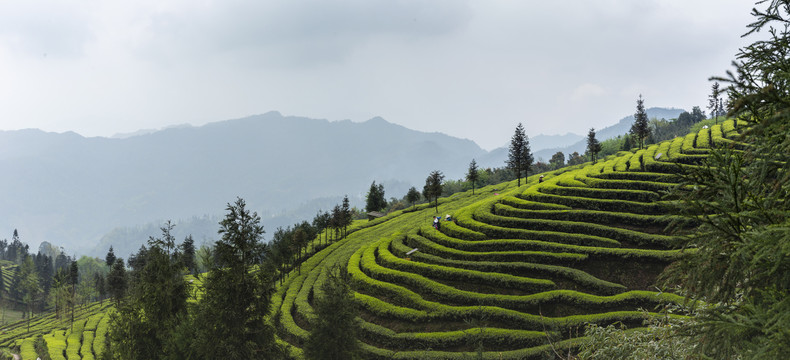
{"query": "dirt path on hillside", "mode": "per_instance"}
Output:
(16, 356)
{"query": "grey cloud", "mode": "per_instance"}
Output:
(54, 30)
(299, 31)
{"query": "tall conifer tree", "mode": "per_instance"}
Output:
(471, 174)
(640, 128)
(519, 154)
(236, 300)
(593, 146)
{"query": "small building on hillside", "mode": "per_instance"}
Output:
(375, 215)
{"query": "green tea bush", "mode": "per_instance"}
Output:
(86, 350)
(531, 205)
(635, 162)
(574, 228)
(543, 257)
(495, 337)
(56, 343)
(602, 193)
(554, 272)
(576, 202)
(703, 139)
(387, 259)
(27, 350)
(567, 298)
(647, 223)
(659, 177)
(622, 162)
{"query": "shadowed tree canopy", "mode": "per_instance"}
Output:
(471, 174)
(375, 200)
(519, 154)
(433, 187)
(593, 146)
(640, 127)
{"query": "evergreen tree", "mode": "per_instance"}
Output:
(413, 196)
(557, 160)
(346, 212)
(188, 254)
(433, 187)
(110, 258)
(157, 302)
(334, 335)
(99, 282)
(640, 128)
(715, 104)
(321, 222)
(336, 222)
(117, 281)
(375, 200)
(740, 265)
(519, 154)
(29, 286)
(236, 299)
(471, 174)
(593, 146)
(74, 274)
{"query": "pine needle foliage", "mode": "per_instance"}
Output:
(741, 266)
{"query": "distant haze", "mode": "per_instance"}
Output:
(89, 193)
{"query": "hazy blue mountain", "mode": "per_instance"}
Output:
(72, 190)
(541, 141)
(620, 128)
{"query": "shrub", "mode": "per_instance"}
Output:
(28, 349)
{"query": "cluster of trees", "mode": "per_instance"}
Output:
(157, 320)
(48, 279)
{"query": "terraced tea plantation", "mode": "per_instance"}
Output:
(517, 273)
(520, 271)
(84, 341)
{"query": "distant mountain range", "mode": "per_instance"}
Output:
(71, 190)
(620, 128)
(89, 193)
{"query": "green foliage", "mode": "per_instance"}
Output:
(472, 174)
(334, 333)
(739, 195)
(519, 155)
(28, 349)
(662, 339)
(433, 187)
(413, 196)
(375, 200)
(236, 299)
(640, 128)
(158, 292)
(593, 146)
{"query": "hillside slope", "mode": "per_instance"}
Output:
(530, 264)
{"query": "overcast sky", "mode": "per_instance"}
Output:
(471, 69)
